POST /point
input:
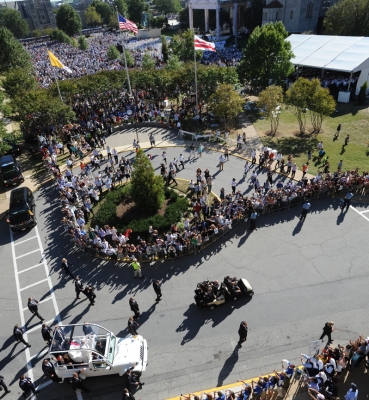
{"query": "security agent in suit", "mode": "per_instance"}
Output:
(90, 294)
(127, 395)
(2, 383)
(132, 326)
(134, 307)
(65, 266)
(48, 370)
(18, 335)
(27, 385)
(157, 289)
(242, 331)
(131, 381)
(33, 307)
(46, 333)
(78, 285)
(77, 382)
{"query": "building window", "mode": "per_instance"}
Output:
(291, 14)
(276, 16)
(309, 10)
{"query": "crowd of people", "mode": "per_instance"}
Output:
(223, 56)
(86, 62)
(321, 373)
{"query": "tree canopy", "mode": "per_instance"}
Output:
(103, 9)
(226, 104)
(136, 8)
(147, 189)
(12, 53)
(348, 18)
(68, 20)
(82, 43)
(121, 7)
(168, 6)
(182, 46)
(112, 53)
(92, 17)
(13, 20)
(270, 100)
(266, 56)
(147, 62)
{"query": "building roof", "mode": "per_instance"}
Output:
(339, 53)
(274, 4)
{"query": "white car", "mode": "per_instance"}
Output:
(95, 349)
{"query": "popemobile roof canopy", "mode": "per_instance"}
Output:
(339, 53)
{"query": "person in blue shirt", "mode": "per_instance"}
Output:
(347, 200)
(257, 389)
(245, 394)
(220, 395)
(352, 393)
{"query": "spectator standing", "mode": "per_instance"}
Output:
(242, 331)
(327, 331)
(221, 162)
(352, 392)
(33, 307)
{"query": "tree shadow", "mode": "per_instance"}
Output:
(292, 145)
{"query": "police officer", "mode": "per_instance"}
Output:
(46, 333)
(347, 200)
(78, 286)
(304, 211)
(157, 288)
(18, 335)
(134, 307)
(253, 217)
(33, 307)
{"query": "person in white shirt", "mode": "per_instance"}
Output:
(221, 162)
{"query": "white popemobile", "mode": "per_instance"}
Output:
(96, 350)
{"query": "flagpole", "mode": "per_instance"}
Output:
(125, 60)
(194, 59)
(57, 84)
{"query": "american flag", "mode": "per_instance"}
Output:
(126, 24)
(201, 44)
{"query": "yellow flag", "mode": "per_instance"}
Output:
(56, 63)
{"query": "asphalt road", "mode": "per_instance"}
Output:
(303, 276)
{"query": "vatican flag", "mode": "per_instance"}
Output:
(56, 63)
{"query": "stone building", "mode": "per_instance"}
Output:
(297, 15)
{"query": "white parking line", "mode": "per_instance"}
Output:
(362, 212)
(79, 395)
(25, 270)
(34, 284)
(40, 352)
(19, 290)
(25, 255)
(353, 208)
(26, 240)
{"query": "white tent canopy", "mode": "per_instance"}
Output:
(339, 53)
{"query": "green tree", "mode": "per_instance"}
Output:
(112, 53)
(173, 63)
(168, 6)
(148, 63)
(270, 100)
(68, 20)
(122, 7)
(13, 20)
(320, 103)
(254, 14)
(297, 102)
(113, 22)
(92, 17)
(164, 48)
(129, 58)
(182, 46)
(103, 9)
(147, 189)
(61, 36)
(266, 56)
(12, 53)
(226, 104)
(82, 43)
(18, 81)
(348, 18)
(136, 8)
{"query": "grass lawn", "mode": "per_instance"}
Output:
(354, 120)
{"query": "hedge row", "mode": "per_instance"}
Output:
(107, 213)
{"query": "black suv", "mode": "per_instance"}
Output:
(10, 171)
(22, 208)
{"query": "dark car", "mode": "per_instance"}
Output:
(10, 171)
(22, 209)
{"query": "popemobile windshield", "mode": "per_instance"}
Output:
(90, 346)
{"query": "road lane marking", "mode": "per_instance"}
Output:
(27, 269)
(353, 208)
(34, 284)
(39, 326)
(25, 255)
(26, 240)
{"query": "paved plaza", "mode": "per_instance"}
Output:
(303, 275)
